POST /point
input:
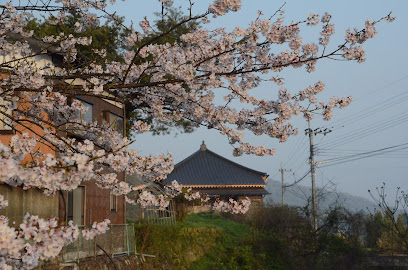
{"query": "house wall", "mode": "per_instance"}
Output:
(100, 105)
(256, 201)
(96, 205)
(40, 61)
(97, 200)
(31, 201)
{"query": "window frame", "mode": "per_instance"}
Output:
(90, 110)
(107, 120)
(113, 203)
(83, 214)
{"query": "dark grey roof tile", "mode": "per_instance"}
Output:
(234, 191)
(205, 167)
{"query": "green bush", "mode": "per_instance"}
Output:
(273, 238)
(175, 246)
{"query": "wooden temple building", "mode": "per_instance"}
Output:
(210, 173)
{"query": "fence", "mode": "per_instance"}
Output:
(151, 214)
(119, 240)
(155, 215)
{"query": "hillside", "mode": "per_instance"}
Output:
(297, 195)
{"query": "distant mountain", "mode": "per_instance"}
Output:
(297, 196)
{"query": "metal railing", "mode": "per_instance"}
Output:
(151, 214)
(119, 240)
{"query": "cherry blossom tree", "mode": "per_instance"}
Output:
(173, 81)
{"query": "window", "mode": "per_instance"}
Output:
(113, 202)
(75, 205)
(79, 130)
(5, 122)
(88, 116)
(115, 121)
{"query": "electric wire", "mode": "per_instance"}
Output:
(300, 165)
(370, 129)
(296, 194)
(360, 133)
(299, 156)
(371, 126)
(370, 152)
(389, 157)
(344, 151)
(297, 181)
(299, 144)
(364, 155)
(356, 115)
(365, 131)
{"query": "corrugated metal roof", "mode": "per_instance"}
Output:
(139, 183)
(205, 167)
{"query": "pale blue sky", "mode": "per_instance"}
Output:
(383, 76)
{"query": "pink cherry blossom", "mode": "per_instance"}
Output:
(173, 82)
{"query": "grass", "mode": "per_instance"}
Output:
(233, 234)
(233, 231)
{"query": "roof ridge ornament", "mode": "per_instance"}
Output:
(203, 147)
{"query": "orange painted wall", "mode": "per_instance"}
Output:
(22, 201)
(97, 201)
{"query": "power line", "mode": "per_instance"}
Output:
(300, 159)
(375, 125)
(362, 132)
(300, 164)
(389, 84)
(366, 131)
(389, 157)
(396, 153)
(346, 151)
(375, 109)
(356, 115)
(297, 181)
(368, 154)
(297, 195)
(298, 145)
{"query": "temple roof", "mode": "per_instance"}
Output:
(233, 191)
(206, 168)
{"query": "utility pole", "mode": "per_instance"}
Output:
(312, 133)
(282, 170)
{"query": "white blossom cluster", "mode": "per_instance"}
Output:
(232, 206)
(39, 239)
(3, 202)
(220, 7)
(146, 198)
(96, 229)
